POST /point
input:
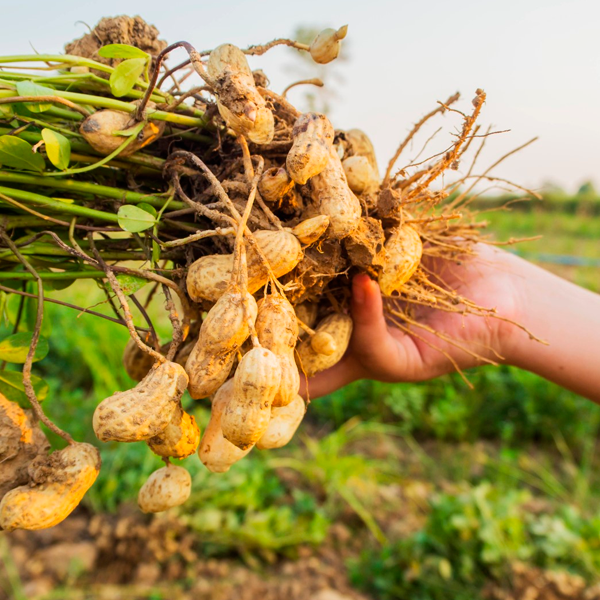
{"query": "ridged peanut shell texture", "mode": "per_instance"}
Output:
(209, 276)
(283, 424)
(255, 384)
(333, 197)
(144, 411)
(179, 439)
(166, 488)
(312, 141)
(225, 329)
(339, 327)
(403, 252)
(238, 100)
(277, 330)
(58, 483)
(99, 129)
(216, 453)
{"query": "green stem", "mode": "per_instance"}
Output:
(61, 207)
(67, 59)
(104, 102)
(138, 158)
(86, 187)
(24, 275)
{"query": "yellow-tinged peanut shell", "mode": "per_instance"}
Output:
(179, 439)
(224, 330)
(313, 139)
(165, 488)
(362, 146)
(323, 343)
(99, 131)
(144, 411)
(274, 184)
(21, 441)
(307, 313)
(326, 46)
(57, 484)
(255, 384)
(283, 424)
(277, 330)
(238, 100)
(209, 276)
(403, 252)
(310, 230)
(216, 453)
(333, 197)
(339, 326)
(360, 175)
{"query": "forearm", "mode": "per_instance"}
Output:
(567, 317)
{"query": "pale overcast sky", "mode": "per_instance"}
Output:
(538, 61)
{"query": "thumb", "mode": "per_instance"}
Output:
(370, 327)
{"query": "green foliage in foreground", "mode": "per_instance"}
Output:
(473, 536)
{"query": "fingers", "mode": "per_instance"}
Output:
(326, 382)
(371, 340)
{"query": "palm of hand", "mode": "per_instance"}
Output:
(381, 351)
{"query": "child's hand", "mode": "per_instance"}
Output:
(383, 352)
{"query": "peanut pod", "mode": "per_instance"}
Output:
(238, 100)
(310, 230)
(283, 424)
(313, 138)
(167, 487)
(144, 411)
(216, 453)
(179, 439)
(333, 197)
(339, 327)
(224, 330)
(360, 175)
(277, 330)
(274, 184)
(57, 484)
(100, 132)
(209, 276)
(403, 252)
(361, 145)
(327, 45)
(255, 384)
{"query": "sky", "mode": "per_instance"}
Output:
(537, 60)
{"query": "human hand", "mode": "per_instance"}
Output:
(379, 350)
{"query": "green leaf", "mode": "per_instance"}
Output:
(28, 88)
(14, 348)
(58, 148)
(134, 219)
(125, 76)
(19, 154)
(11, 385)
(148, 208)
(122, 51)
(130, 284)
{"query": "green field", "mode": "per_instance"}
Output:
(428, 491)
